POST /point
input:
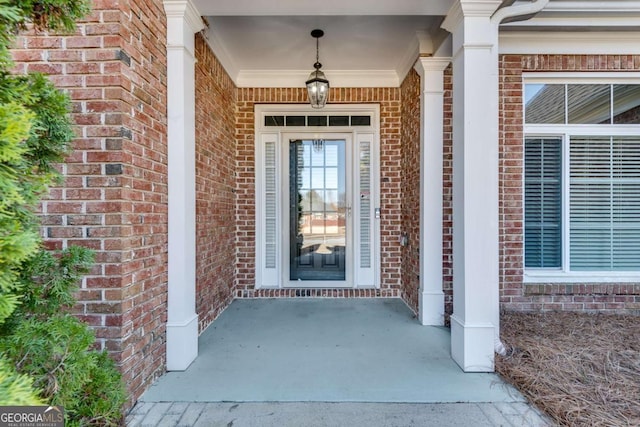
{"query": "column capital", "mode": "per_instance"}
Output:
(185, 10)
(469, 9)
(431, 63)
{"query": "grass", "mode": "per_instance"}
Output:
(580, 369)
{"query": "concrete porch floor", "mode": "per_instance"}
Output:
(348, 351)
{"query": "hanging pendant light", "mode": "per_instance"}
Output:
(317, 84)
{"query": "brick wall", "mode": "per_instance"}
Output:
(114, 197)
(514, 294)
(410, 164)
(215, 182)
(390, 185)
(447, 194)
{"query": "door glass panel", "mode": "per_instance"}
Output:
(317, 215)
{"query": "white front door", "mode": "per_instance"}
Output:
(317, 215)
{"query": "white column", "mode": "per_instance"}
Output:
(431, 299)
(475, 184)
(183, 21)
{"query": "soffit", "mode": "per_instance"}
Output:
(264, 43)
(366, 43)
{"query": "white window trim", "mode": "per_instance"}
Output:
(563, 131)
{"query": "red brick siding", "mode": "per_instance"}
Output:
(215, 182)
(514, 294)
(114, 198)
(390, 183)
(410, 164)
(447, 194)
(144, 283)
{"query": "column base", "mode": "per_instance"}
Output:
(182, 344)
(472, 345)
(431, 308)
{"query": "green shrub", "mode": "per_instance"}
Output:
(15, 389)
(55, 348)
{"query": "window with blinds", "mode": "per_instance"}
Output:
(543, 202)
(582, 177)
(604, 207)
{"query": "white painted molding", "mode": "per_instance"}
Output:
(184, 9)
(296, 78)
(627, 22)
(221, 52)
(580, 77)
(182, 351)
(518, 10)
(454, 18)
(326, 7)
(431, 63)
(594, 6)
(479, 8)
(571, 43)
(472, 345)
(425, 43)
(183, 21)
(431, 296)
(409, 59)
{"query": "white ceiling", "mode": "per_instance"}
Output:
(366, 42)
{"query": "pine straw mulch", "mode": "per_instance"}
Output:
(580, 369)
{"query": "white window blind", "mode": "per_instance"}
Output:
(604, 206)
(365, 204)
(270, 205)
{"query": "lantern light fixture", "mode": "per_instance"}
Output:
(317, 84)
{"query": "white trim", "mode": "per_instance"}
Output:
(601, 22)
(296, 78)
(534, 130)
(266, 277)
(412, 53)
(548, 276)
(583, 77)
(431, 297)
(183, 20)
(518, 10)
(324, 8)
(473, 345)
(181, 351)
(475, 321)
(367, 277)
(280, 134)
(593, 6)
(222, 54)
(570, 43)
(564, 132)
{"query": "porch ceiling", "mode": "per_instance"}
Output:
(267, 44)
(366, 43)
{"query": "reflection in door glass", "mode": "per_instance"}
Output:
(317, 214)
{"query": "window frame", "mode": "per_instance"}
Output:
(564, 132)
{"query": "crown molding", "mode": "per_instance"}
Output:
(221, 53)
(593, 6)
(570, 43)
(297, 78)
